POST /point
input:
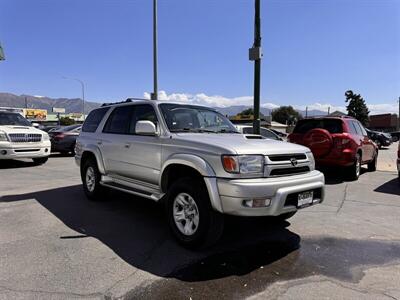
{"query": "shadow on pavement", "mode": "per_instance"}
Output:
(390, 187)
(135, 229)
(252, 254)
(337, 175)
(16, 164)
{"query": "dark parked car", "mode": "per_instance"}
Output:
(395, 136)
(337, 142)
(381, 139)
(63, 139)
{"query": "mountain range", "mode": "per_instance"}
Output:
(75, 105)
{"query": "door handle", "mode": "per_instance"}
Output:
(127, 145)
(99, 143)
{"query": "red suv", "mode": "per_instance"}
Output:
(337, 141)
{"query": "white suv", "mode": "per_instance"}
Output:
(194, 160)
(19, 139)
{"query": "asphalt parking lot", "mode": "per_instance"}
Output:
(54, 244)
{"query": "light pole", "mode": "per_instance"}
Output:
(255, 55)
(154, 95)
(83, 92)
(2, 56)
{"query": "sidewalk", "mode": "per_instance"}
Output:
(387, 158)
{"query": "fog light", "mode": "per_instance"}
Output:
(46, 150)
(4, 152)
(257, 202)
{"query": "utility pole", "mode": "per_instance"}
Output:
(154, 95)
(26, 102)
(83, 93)
(329, 110)
(255, 55)
(306, 112)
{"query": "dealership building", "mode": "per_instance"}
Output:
(383, 122)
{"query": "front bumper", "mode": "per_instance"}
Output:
(28, 150)
(234, 192)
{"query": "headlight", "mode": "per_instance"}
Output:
(243, 164)
(312, 160)
(3, 137)
(46, 137)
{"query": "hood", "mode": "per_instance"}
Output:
(243, 144)
(19, 129)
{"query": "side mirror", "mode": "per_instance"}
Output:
(36, 125)
(145, 128)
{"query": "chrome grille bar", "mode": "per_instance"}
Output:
(25, 137)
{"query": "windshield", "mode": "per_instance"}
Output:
(7, 118)
(190, 118)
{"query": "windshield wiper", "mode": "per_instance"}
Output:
(227, 131)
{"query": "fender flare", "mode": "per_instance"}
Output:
(97, 154)
(205, 170)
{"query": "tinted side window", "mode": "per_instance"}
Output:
(364, 132)
(143, 112)
(119, 120)
(93, 119)
(352, 127)
(358, 128)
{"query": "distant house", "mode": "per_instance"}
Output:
(337, 114)
(383, 122)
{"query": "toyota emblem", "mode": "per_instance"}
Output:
(293, 161)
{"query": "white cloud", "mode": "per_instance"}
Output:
(220, 101)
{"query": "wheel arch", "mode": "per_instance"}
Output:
(95, 154)
(186, 165)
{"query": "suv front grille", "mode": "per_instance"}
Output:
(289, 171)
(25, 137)
(286, 157)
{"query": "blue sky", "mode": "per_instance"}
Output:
(314, 50)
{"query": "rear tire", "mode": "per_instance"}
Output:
(372, 164)
(91, 180)
(354, 171)
(191, 218)
(40, 160)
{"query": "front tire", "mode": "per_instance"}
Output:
(40, 160)
(91, 180)
(372, 164)
(191, 218)
(355, 169)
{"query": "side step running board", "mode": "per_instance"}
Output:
(129, 190)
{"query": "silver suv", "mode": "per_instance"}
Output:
(194, 160)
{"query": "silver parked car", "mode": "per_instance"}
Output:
(194, 160)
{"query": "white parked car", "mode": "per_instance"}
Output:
(19, 139)
(269, 134)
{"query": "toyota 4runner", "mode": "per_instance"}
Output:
(19, 139)
(194, 160)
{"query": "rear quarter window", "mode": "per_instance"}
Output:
(331, 125)
(93, 119)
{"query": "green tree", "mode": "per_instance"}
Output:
(356, 107)
(65, 121)
(286, 115)
(248, 113)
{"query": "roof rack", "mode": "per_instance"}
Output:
(126, 101)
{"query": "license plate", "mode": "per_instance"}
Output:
(305, 199)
